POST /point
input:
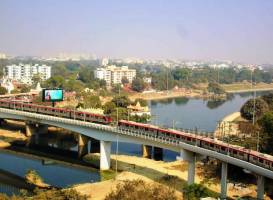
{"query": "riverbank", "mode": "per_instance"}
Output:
(149, 170)
(246, 87)
(172, 94)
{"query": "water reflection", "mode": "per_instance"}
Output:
(56, 174)
(181, 101)
(213, 104)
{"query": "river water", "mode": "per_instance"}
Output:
(177, 112)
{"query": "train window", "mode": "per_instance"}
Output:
(211, 145)
(261, 160)
(177, 136)
(223, 148)
(254, 158)
(189, 139)
(241, 154)
(234, 152)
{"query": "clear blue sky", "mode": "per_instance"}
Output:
(239, 30)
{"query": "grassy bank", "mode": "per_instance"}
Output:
(246, 87)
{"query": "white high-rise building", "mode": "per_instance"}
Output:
(24, 72)
(113, 74)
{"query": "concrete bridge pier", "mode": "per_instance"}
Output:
(105, 153)
(95, 146)
(146, 151)
(2, 121)
(82, 145)
(260, 187)
(42, 129)
(224, 174)
(190, 157)
(158, 153)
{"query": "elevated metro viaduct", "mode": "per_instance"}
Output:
(107, 134)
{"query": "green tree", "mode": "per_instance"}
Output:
(55, 82)
(124, 80)
(91, 101)
(266, 124)
(117, 88)
(248, 108)
(268, 98)
(215, 88)
(25, 89)
(138, 84)
(181, 73)
(109, 108)
(142, 102)
(121, 101)
(195, 192)
(3, 90)
(36, 78)
(15, 91)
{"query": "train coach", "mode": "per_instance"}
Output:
(58, 112)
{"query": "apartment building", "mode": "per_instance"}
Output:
(113, 74)
(24, 72)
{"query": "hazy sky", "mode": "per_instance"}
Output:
(239, 30)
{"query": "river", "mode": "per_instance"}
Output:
(177, 112)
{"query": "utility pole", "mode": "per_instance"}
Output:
(258, 141)
(117, 115)
(254, 98)
(117, 157)
(254, 109)
(167, 81)
(218, 76)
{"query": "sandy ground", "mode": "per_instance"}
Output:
(151, 170)
(4, 144)
(7, 130)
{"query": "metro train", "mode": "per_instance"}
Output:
(257, 158)
(59, 112)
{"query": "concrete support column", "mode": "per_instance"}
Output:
(146, 151)
(260, 187)
(105, 153)
(190, 157)
(95, 146)
(224, 174)
(43, 129)
(191, 170)
(82, 145)
(158, 153)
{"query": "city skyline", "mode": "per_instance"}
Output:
(197, 30)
